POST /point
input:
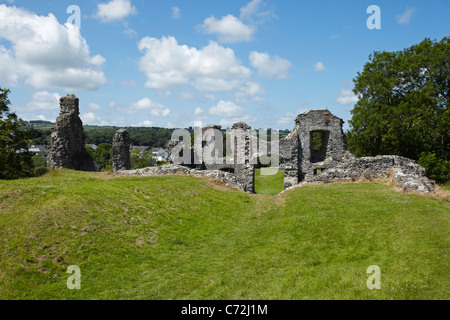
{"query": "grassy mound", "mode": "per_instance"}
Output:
(179, 237)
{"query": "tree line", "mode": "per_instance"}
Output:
(140, 136)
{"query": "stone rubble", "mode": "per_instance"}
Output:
(173, 169)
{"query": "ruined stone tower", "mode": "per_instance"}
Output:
(67, 141)
(121, 151)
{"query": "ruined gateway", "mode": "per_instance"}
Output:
(315, 151)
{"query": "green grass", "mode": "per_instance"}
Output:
(269, 181)
(179, 237)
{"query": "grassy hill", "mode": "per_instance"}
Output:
(179, 237)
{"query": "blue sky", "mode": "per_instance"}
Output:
(171, 63)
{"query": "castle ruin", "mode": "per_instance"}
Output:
(314, 151)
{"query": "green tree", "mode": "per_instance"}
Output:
(403, 105)
(103, 154)
(141, 159)
(15, 160)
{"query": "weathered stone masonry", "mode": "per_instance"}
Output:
(324, 160)
(67, 141)
(332, 161)
(296, 150)
(121, 151)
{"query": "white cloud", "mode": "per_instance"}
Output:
(227, 109)
(176, 13)
(145, 123)
(229, 29)
(406, 16)
(200, 114)
(320, 67)
(94, 106)
(253, 11)
(44, 100)
(250, 9)
(131, 33)
(29, 117)
(168, 64)
(347, 97)
(199, 111)
(145, 104)
(9, 72)
(269, 67)
(92, 119)
(249, 92)
(45, 53)
(41, 117)
(115, 10)
(97, 60)
(214, 85)
(288, 119)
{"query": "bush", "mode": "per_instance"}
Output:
(107, 168)
(39, 171)
(437, 169)
(39, 161)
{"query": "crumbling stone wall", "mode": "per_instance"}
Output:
(301, 160)
(67, 141)
(121, 150)
(405, 172)
(333, 162)
(203, 155)
(244, 162)
(315, 150)
(171, 169)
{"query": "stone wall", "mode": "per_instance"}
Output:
(405, 172)
(203, 155)
(300, 159)
(173, 169)
(315, 150)
(244, 166)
